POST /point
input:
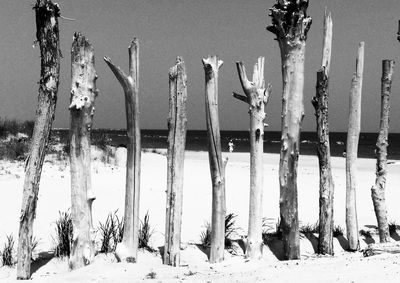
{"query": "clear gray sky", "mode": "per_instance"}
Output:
(232, 29)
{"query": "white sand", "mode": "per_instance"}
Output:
(109, 184)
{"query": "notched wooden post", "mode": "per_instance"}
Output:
(290, 24)
(83, 94)
(176, 154)
(217, 165)
(256, 96)
(127, 250)
(47, 35)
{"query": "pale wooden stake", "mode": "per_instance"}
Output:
(127, 250)
(217, 165)
(47, 35)
(83, 94)
(290, 24)
(326, 185)
(351, 150)
(378, 190)
(176, 154)
(256, 96)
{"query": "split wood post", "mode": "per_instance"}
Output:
(378, 190)
(47, 35)
(127, 250)
(217, 165)
(353, 135)
(83, 94)
(290, 24)
(256, 96)
(326, 185)
(176, 155)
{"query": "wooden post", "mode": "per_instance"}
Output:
(127, 250)
(290, 24)
(378, 190)
(351, 150)
(83, 94)
(217, 165)
(47, 35)
(256, 96)
(176, 155)
(326, 185)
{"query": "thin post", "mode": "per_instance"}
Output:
(127, 250)
(378, 190)
(351, 150)
(176, 154)
(217, 165)
(47, 35)
(256, 96)
(83, 94)
(326, 185)
(290, 24)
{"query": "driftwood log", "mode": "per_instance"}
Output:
(83, 94)
(176, 155)
(377, 249)
(127, 250)
(47, 35)
(326, 185)
(351, 150)
(256, 96)
(290, 24)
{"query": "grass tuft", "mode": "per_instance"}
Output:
(270, 232)
(111, 232)
(145, 233)
(338, 231)
(151, 275)
(64, 233)
(309, 229)
(7, 253)
(393, 227)
(230, 230)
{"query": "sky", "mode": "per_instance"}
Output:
(232, 29)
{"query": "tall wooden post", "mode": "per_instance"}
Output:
(217, 165)
(47, 35)
(378, 190)
(83, 94)
(290, 24)
(326, 185)
(351, 150)
(176, 155)
(256, 96)
(127, 250)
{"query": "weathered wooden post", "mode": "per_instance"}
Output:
(176, 155)
(256, 96)
(351, 150)
(47, 35)
(378, 190)
(326, 185)
(83, 94)
(217, 165)
(127, 250)
(290, 24)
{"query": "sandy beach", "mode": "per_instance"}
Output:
(108, 181)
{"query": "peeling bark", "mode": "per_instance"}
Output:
(217, 165)
(176, 155)
(290, 24)
(47, 35)
(256, 96)
(83, 94)
(127, 250)
(378, 190)
(353, 135)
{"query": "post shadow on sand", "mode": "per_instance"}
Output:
(313, 240)
(43, 259)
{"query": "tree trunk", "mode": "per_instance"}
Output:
(176, 155)
(256, 95)
(290, 24)
(351, 150)
(83, 94)
(326, 185)
(47, 34)
(127, 250)
(378, 190)
(217, 165)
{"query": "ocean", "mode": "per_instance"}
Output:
(196, 140)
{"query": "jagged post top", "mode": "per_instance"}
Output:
(134, 61)
(212, 63)
(80, 41)
(290, 20)
(178, 67)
